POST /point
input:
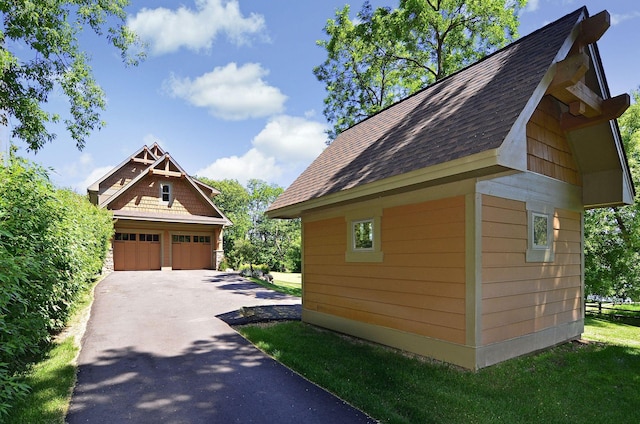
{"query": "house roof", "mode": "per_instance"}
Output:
(459, 126)
(155, 160)
(167, 166)
(144, 154)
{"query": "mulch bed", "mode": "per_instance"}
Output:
(256, 314)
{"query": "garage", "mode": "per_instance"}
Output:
(136, 251)
(192, 251)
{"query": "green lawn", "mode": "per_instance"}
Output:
(571, 383)
(593, 382)
(283, 282)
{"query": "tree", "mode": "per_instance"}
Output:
(385, 55)
(274, 238)
(612, 235)
(233, 200)
(39, 51)
(254, 238)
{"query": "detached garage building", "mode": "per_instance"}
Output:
(164, 219)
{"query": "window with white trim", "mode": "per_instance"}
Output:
(540, 233)
(364, 235)
(165, 193)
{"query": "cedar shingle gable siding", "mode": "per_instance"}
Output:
(185, 232)
(466, 113)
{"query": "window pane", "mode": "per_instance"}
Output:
(540, 230)
(363, 235)
(118, 236)
(132, 237)
(207, 239)
(175, 238)
(143, 237)
(125, 236)
(181, 238)
(187, 239)
(156, 237)
(195, 239)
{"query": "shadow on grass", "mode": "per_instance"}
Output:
(571, 383)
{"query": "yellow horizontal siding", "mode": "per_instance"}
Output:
(520, 297)
(419, 287)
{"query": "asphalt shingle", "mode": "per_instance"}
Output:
(466, 113)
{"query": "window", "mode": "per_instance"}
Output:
(540, 233)
(165, 193)
(364, 235)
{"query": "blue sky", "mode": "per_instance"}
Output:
(228, 89)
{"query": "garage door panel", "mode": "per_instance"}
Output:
(191, 251)
(136, 252)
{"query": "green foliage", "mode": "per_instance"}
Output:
(46, 55)
(51, 243)
(254, 238)
(612, 235)
(384, 55)
(571, 383)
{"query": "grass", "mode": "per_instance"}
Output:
(52, 380)
(283, 282)
(571, 383)
(604, 330)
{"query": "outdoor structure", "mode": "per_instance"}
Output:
(450, 224)
(164, 219)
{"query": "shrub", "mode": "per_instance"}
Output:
(224, 265)
(52, 242)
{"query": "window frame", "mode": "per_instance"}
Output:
(372, 254)
(354, 240)
(169, 193)
(538, 252)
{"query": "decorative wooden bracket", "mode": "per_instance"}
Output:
(144, 161)
(591, 29)
(586, 107)
(611, 109)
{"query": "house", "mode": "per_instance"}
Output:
(164, 219)
(450, 224)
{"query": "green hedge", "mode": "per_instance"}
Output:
(52, 243)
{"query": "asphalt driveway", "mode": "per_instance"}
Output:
(154, 352)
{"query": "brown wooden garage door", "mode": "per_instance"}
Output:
(190, 252)
(136, 252)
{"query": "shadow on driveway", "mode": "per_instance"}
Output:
(156, 351)
(221, 380)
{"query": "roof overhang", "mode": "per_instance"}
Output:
(474, 166)
(169, 218)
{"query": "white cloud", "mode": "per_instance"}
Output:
(619, 18)
(168, 30)
(230, 92)
(253, 164)
(282, 150)
(292, 139)
(94, 175)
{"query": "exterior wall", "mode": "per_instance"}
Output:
(145, 196)
(548, 151)
(418, 288)
(119, 179)
(520, 297)
(453, 281)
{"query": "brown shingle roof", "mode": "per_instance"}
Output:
(466, 113)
